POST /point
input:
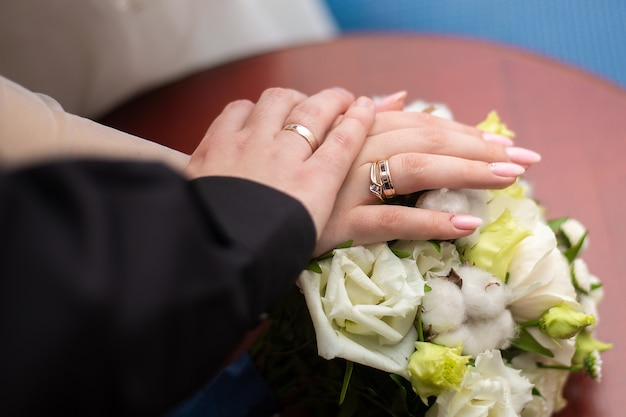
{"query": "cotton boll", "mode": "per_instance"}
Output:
(443, 199)
(496, 333)
(440, 109)
(485, 295)
(481, 335)
(443, 308)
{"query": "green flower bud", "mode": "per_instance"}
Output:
(593, 365)
(563, 322)
(585, 345)
(434, 368)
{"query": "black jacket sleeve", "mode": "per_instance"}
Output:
(123, 287)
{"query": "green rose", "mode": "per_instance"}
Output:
(434, 369)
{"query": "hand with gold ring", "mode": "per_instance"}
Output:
(289, 142)
(410, 152)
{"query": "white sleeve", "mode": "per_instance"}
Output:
(35, 128)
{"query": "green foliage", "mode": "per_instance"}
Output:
(286, 355)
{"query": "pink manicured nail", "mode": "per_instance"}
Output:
(391, 99)
(495, 138)
(465, 221)
(506, 169)
(522, 156)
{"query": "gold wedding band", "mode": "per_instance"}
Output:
(305, 133)
(381, 184)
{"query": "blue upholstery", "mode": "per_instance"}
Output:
(590, 34)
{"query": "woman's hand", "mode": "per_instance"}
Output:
(424, 152)
(248, 141)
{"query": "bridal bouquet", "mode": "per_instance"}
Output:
(491, 324)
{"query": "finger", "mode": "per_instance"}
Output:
(412, 172)
(393, 101)
(343, 143)
(225, 125)
(327, 168)
(382, 223)
(271, 110)
(432, 140)
(313, 118)
(393, 120)
(233, 117)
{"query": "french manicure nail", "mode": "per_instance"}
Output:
(522, 156)
(465, 221)
(495, 138)
(506, 169)
(391, 99)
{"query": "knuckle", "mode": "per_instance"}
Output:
(281, 93)
(343, 138)
(239, 104)
(307, 110)
(414, 164)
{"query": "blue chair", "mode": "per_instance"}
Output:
(590, 34)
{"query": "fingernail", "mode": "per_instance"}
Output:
(522, 156)
(363, 101)
(391, 99)
(495, 138)
(342, 91)
(506, 169)
(465, 221)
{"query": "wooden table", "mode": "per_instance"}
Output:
(576, 121)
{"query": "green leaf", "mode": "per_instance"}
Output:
(346, 244)
(401, 253)
(314, 266)
(436, 244)
(555, 224)
(525, 341)
(427, 288)
(572, 253)
(346, 381)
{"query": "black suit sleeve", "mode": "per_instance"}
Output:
(123, 287)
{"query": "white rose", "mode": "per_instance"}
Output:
(363, 306)
(489, 389)
(538, 275)
(432, 259)
(549, 383)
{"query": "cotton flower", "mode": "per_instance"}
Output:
(443, 307)
(439, 109)
(477, 336)
(485, 296)
(363, 305)
(462, 201)
(489, 389)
